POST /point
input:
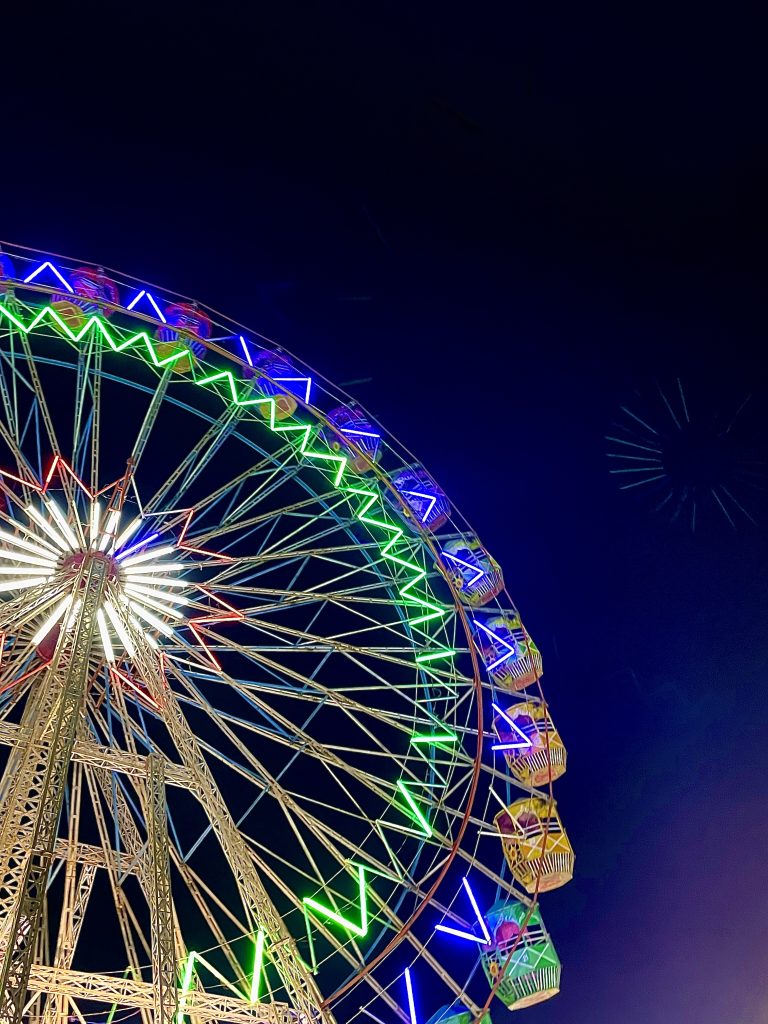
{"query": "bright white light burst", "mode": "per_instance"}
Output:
(42, 561)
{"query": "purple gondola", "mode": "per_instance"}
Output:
(92, 292)
(428, 506)
(7, 274)
(182, 335)
(473, 572)
(276, 378)
(354, 437)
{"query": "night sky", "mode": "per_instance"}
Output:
(506, 224)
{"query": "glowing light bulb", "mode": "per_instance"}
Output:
(164, 549)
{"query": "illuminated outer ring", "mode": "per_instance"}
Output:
(427, 539)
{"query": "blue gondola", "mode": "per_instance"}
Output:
(184, 324)
(428, 506)
(7, 273)
(276, 378)
(473, 572)
(354, 437)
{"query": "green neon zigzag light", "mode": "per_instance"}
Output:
(361, 930)
(188, 975)
(418, 815)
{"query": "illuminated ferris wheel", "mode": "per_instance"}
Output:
(275, 747)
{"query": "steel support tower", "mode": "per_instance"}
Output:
(34, 795)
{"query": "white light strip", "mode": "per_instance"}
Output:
(44, 525)
(42, 266)
(112, 523)
(137, 546)
(147, 636)
(150, 603)
(52, 619)
(153, 620)
(95, 521)
(164, 549)
(32, 533)
(409, 990)
(106, 643)
(128, 532)
(72, 617)
(48, 563)
(120, 629)
(15, 570)
(41, 548)
(155, 582)
(23, 584)
(62, 523)
(138, 588)
(157, 567)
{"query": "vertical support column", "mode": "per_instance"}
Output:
(36, 797)
(166, 995)
(73, 912)
(56, 1007)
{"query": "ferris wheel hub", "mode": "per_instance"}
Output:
(78, 561)
(46, 562)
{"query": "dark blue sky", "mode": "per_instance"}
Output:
(510, 221)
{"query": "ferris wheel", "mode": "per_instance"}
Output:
(275, 744)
